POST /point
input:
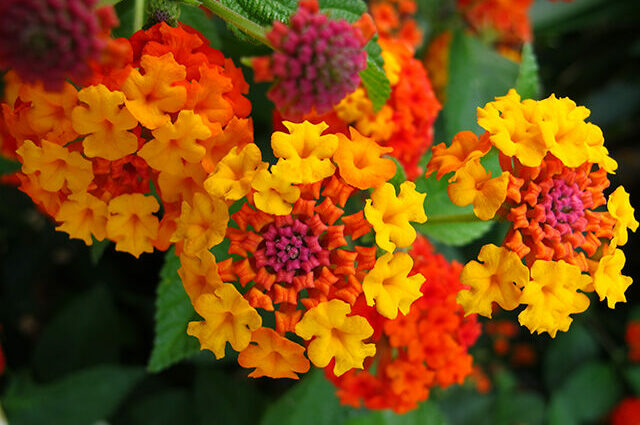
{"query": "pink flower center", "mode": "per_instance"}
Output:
(563, 206)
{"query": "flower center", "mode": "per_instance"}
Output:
(563, 205)
(289, 248)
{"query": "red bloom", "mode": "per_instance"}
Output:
(627, 412)
(632, 336)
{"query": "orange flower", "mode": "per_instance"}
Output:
(360, 161)
(464, 147)
(199, 274)
(273, 356)
(202, 224)
(152, 96)
(131, 223)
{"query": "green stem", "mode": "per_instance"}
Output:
(138, 15)
(243, 24)
(454, 218)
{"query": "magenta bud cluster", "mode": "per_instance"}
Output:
(316, 62)
(50, 40)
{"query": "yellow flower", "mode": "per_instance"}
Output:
(336, 335)
(228, 317)
(131, 223)
(378, 126)
(274, 194)
(83, 215)
(49, 115)
(56, 166)
(608, 280)
(389, 285)
(392, 67)
(620, 208)
(498, 279)
(464, 147)
(305, 155)
(360, 161)
(390, 214)
(181, 187)
(176, 143)
(530, 129)
(152, 96)
(551, 296)
(474, 185)
(199, 274)
(354, 106)
(202, 224)
(233, 175)
(105, 121)
(273, 356)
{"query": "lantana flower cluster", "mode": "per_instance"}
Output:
(117, 158)
(425, 348)
(565, 235)
(307, 240)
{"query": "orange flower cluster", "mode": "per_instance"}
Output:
(155, 118)
(394, 20)
(553, 168)
(427, 347)
(508, 20)
(502, 334)
(632, 338)
(297, 261)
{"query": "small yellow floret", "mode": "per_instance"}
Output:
(274, 194)
(620, 208)
(608, 280)
(336, 335)
(228, 317)
(233, 175)
(273, 355)
(202, 224)
(389, 285)
(131, 223)
(83, 215)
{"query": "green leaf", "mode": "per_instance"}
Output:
(592, 391)
(8, 166)
(476, 75)
(225, 399)
(102, 3)
(559, 412)
(311, 402)
(173, 312)
(566, 352)
(97, 249)
(82, 398)
(446, 222)
(427, 413)
(87, 331)
(633, 377)
(528, 82)
(400, 176)
(197, 18)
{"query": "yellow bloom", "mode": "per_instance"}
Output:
(131, 223)
(83, 215)
(202, 224)
(378, 126)
(551, 296)
(274, 194)
(176, 143)
(105, 121)
(56, 166)
(50, 113)
(181, 187)
(336, 335)
(199, 274)
(305, 155)
(233, 175)
(273, 356)
(152, 96)
(390, 214)
(354, 106)
(498, 279)
(620, 208)
(464, 147)
(228, 317)
(360, 161)
(474, 185)
(392, 67)
(608, 280)
(389, 285)
(530, 129)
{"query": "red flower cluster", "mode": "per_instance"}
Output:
(632, 337)
(425, 348)
(627, 412)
